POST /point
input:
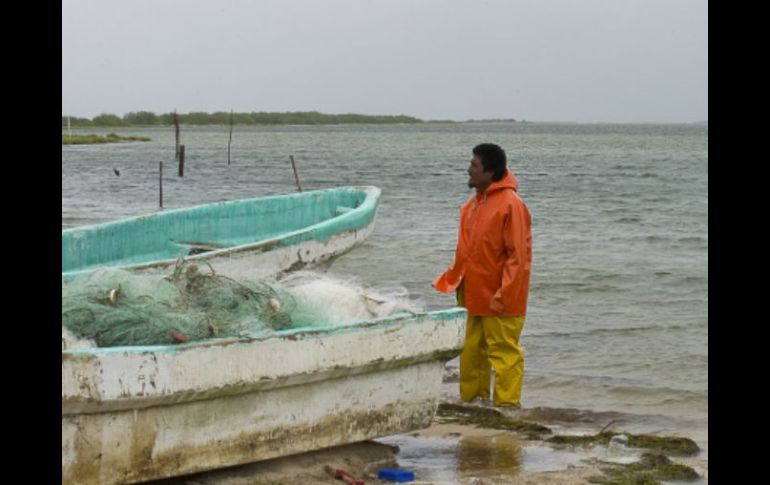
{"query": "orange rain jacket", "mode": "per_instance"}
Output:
(494, 252)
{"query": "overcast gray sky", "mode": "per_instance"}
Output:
(539, 60)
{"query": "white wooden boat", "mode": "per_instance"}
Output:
(138, 413)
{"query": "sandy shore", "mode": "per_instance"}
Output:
(447, 452)
(363, 460)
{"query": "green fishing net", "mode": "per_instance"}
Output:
(113, 307)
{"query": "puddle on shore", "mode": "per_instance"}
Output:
(495, 458)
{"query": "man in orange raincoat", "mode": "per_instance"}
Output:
(490, 274)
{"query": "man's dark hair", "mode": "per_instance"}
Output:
(492, 159)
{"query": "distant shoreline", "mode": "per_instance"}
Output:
(96, 139)
(147, 119)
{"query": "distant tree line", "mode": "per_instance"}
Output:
(147, 118)
(94, 139)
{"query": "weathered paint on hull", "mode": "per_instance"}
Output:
(257, 264)
(134, 414)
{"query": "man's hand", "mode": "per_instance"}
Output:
(496, 305)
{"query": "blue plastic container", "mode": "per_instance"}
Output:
(396, 475)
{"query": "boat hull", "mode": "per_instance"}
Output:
(134, 414)
(254, 238)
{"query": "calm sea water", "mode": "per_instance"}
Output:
(618, 311)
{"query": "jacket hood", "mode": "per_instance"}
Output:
(507, 182)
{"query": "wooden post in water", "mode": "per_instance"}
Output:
(231, 137)
(161, 184)
(181, 160)
(294, 167)
(176, 130)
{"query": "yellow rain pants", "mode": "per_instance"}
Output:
(491, 342)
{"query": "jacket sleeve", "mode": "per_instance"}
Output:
(450, 279)
(517, 237)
